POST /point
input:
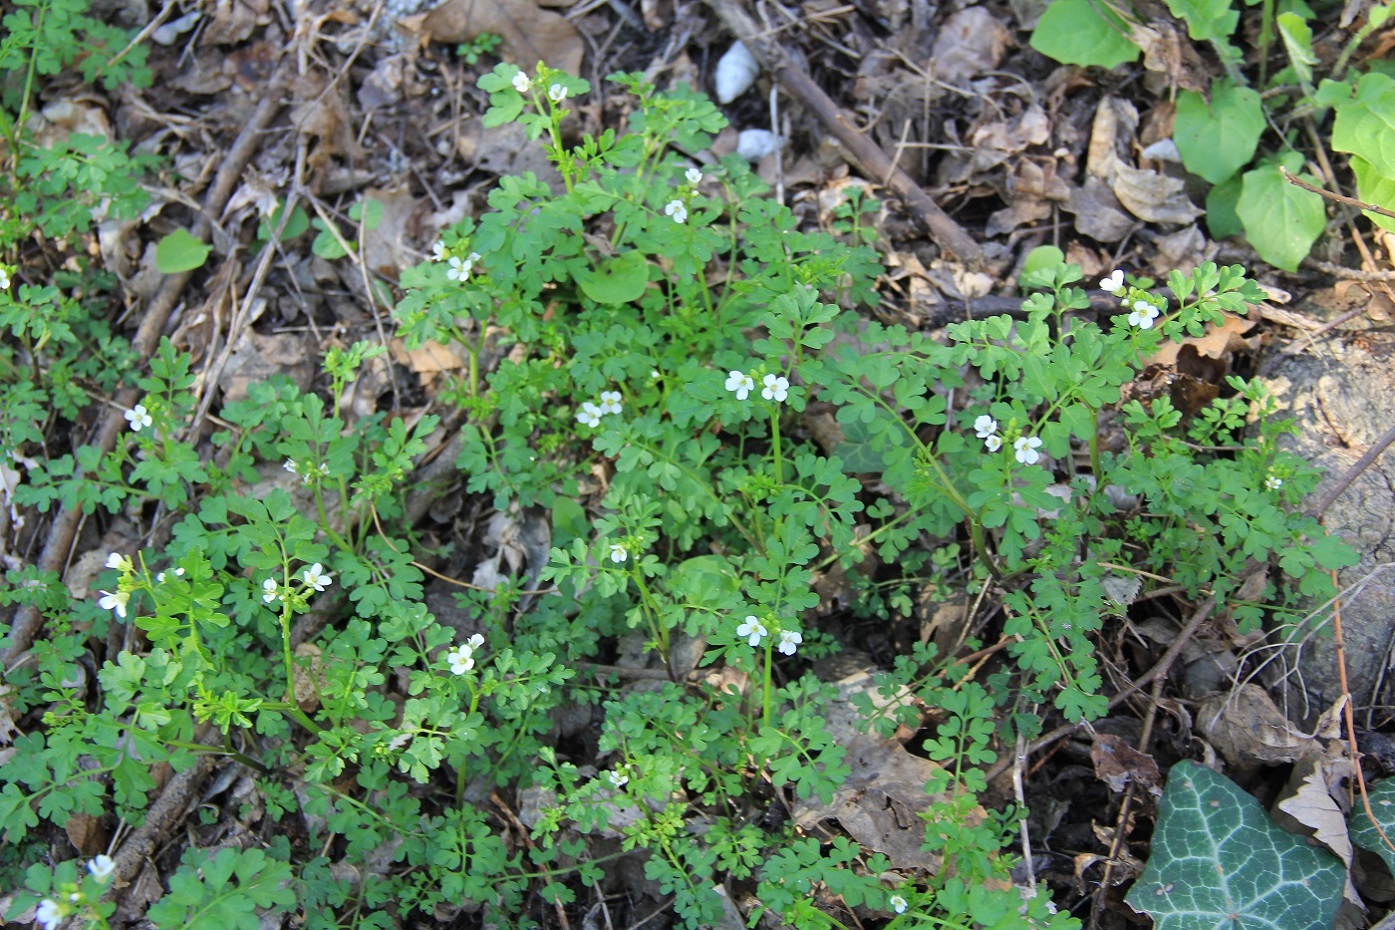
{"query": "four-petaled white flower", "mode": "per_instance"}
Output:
(160, 577)
(115, 601)
(521, 83)
(675, 209)
(789, 641)
(556, 93)
(753, 630)
(316, 577)
(617, 779)
(121, 563)
(742, 383)
(4, 280)
(1114, 284)
(1026, 449)
(50, 914)
(694, 176)
(618, 553)
(271, 592)
(1143, 314)
(897, 903)
(1273, 482)
(610, 402)
(438, 251)
(985, 426)
(589, 415)
(101, 868)
(290, 466)
(776, 388)
(994, 443)
(460, 268)
(138, 417)
(476, 641)
(461, 659)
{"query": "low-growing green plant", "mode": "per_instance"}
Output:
(646, 332)
(1220, 134)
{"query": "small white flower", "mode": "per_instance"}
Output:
(50, 914)
(138, 417)
(316, 577)
(270, 591)
(101, 868)
(1026, 449)
(115, 601)
(694, 176)
(789, 641)
(1273, 482)
(994, 443)
(556, 93)
(438, 251)
(618, 553)
(476, 641)
(776, 388)
(472, 257)
(610, 402)
(4, 280)
(290, 466)
(753, 630)
(654, 375)
(160, 578)
(1143, 314)
(120, 562)
(1114, 284)
(461, 659)
(617, 779)
(675, 209)
(742, 383)
(590, 415)
(399, 741)
(521, 83)
(898, 903)
(459, 269)
(985, 426)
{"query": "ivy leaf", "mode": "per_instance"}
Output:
(1219, 861)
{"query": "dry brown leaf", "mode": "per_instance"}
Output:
(1168, 52)
(1218, 341)
(1097, 212)
(1152, 196)
(307, 674)
(1117, 763)
(1307, 806)
(386, 246)
(530, 33)
(86, 834)
(1248, 729)
(322, 113)
(257, 357)
(233, 20)
(969, 43)
(1111, 133)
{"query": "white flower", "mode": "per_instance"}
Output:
(898, 903)
(1273, 482)
(610, 402)
(521, 83)
(776, 388)
(752, 629)
(50, 914)
(556, 93)
(1114, 284)
(138, 417)
(1143, 314)
(694, 176)
(675, 209)
(399, 741)
(985, 426)
(270, 592)
(290, 466)
(475, 641)
(120, 562)
(618, 553)
(461, 659)
(4, 280)
(1026, 448)
(102, 867)
(617, 779)
(459, 269)
(742, 383)
(590, 415)
(438, 251)
(789, 641)
(316, 577)
(116, 602)
(994, 443)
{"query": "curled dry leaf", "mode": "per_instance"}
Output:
(1117, 763)
(1248, 729)
(531, 34)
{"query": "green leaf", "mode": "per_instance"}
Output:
(1366, 125)
(1218, 139)
(1218, 861)
(1364, 832)
(1041, 259)
(1298, 41)
(622, 279)
(1206, 19)
(1081, 32)
(179, 252)
(1374, 187)
(1281, 221)
(1221, 218)
(370, 212)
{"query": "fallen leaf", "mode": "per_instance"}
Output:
(1153, 196)
(1216, 343)
(232, 21)
(530, 33)
(257, 357)
(1248, 729)
(1117, 763)
(1307, 804)
(969, 43)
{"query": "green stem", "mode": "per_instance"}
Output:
(769, 660)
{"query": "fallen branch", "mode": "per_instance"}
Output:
(869, 156)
